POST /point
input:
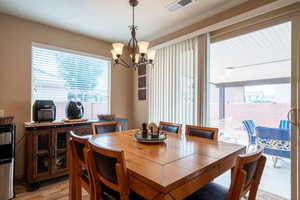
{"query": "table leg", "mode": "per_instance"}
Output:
(72, 194)
(232, 173)
(74, 184)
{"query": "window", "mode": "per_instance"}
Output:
(63, 76)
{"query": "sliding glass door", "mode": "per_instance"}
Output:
(252, 87)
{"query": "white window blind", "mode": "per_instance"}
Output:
(62, 76)
(173, 84)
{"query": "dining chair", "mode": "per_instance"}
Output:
(249, 125)
(104, 127)
(203, 132)
(109, 173)
(244, 180)
(284, 124)
(78, 165)
(170, 127)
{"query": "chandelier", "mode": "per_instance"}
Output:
(139, 52)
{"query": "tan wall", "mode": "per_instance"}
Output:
(16, 37)
(140, 107)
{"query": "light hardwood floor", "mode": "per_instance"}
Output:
(54, 190)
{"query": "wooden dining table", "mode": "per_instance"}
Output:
(173, 169)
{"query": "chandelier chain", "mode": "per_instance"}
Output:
(133, 16)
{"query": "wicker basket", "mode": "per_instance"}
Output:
(6, 120)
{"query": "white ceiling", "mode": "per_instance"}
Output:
(109, 19)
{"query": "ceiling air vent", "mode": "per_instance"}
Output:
(178, 4)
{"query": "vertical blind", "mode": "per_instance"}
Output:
(173, 84)
(63, 76)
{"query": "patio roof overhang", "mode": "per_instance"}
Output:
(271, 81)
(261, 57)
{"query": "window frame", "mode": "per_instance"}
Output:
(81, 53)
(272, 18)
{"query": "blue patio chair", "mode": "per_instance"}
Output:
(285, 124)
(250, 128)
(276, 142)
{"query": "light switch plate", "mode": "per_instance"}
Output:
(1, 112)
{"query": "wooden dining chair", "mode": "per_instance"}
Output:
(245, 180)
(170, 127)
(109, 172)
(203, 132)
(78, 166)
(104, 127)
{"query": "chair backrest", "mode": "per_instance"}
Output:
(79, 170)
(276, 141)
(170, 127)
(203, 132)
(285, 124)
(77, 144)
(108, 167)
(246, 175)
(105, 127)
(249, 126)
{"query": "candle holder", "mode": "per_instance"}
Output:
(144, 130)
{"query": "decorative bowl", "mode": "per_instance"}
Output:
(149, 139)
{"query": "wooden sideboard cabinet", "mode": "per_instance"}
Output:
(47, 148)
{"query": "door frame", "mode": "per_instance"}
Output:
(295, 105)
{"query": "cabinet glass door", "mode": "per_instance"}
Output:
(42, 149)
(60, 145)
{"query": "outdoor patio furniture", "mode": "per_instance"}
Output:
(285, 124)
(276, 142)
(249, 125)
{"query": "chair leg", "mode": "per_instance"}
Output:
(245, 197)
(275, 159)
(231, 174)
(75, 190)
(250, 147)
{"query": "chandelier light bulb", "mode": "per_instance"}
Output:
(118, 48)
(137, 56)
(151, 54)
(114, 54)
(143, 47)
